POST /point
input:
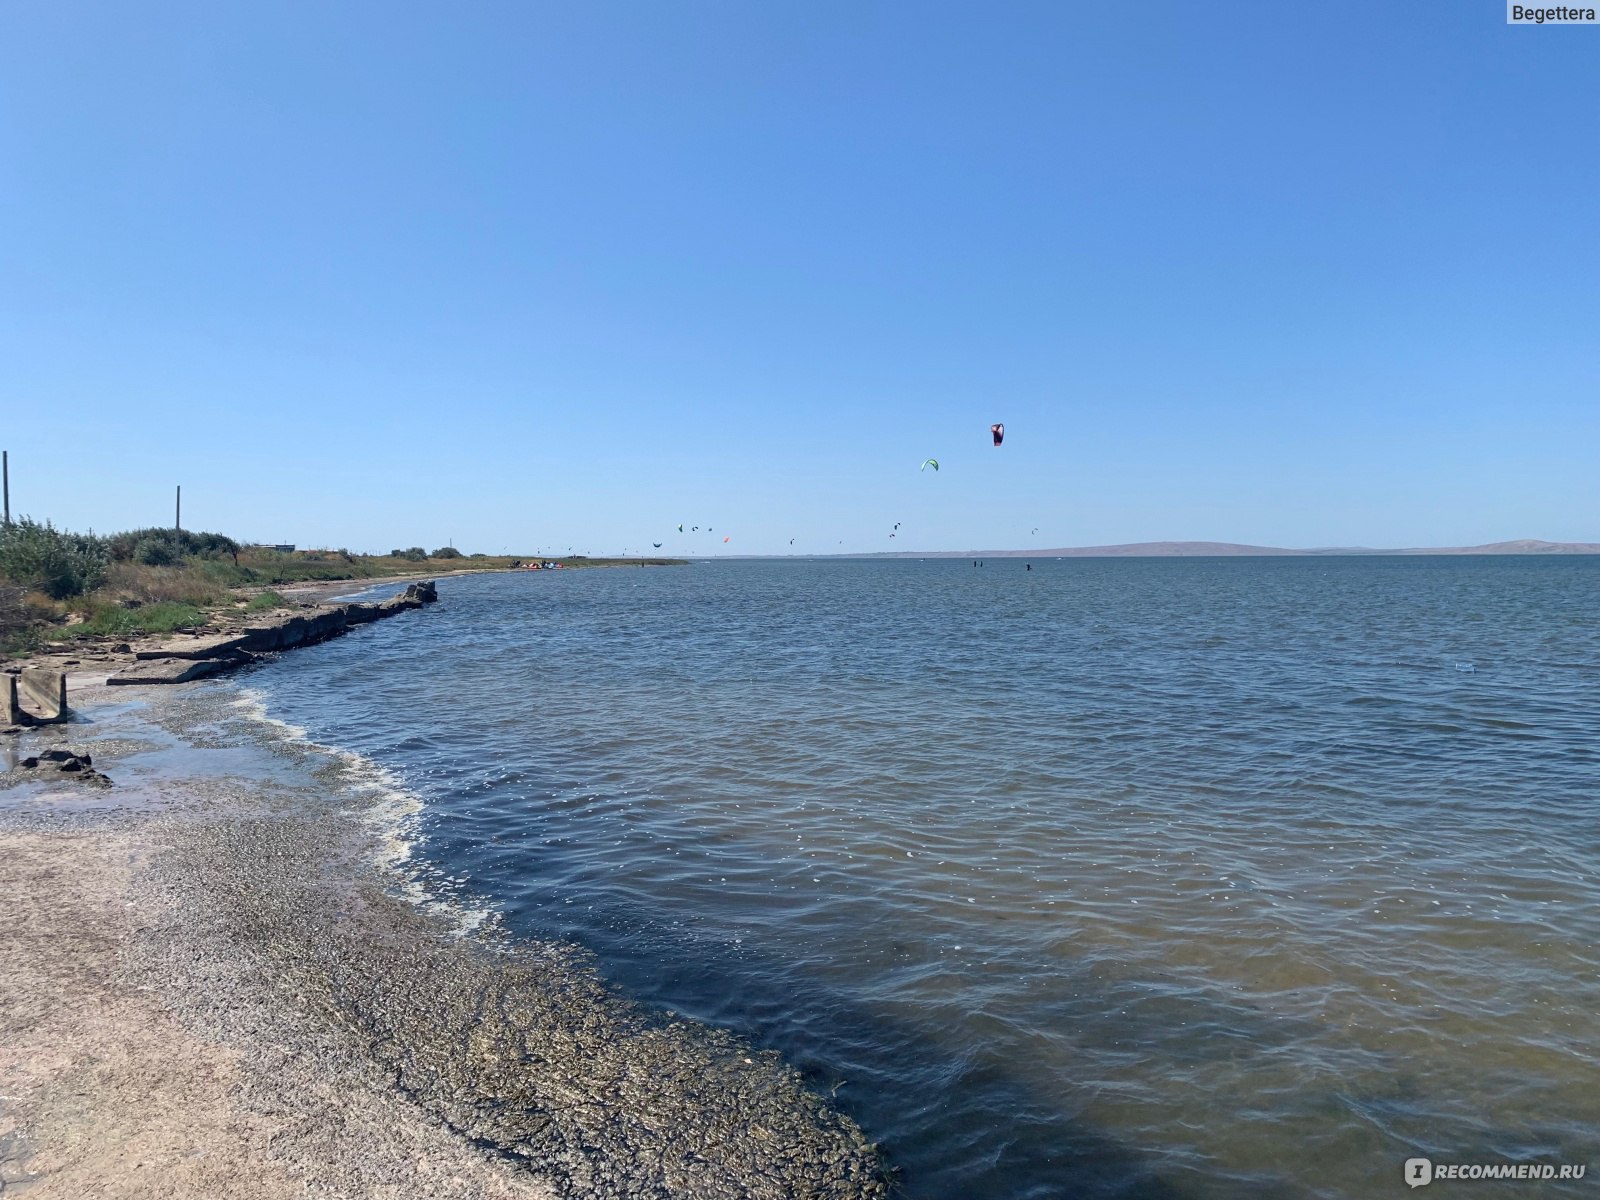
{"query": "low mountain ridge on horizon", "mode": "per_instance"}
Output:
(1241, 550)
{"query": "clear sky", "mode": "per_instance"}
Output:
(538, 275)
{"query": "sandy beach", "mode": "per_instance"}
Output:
(215, 986)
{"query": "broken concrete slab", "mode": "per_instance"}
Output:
(179, 660)
(170, 670)
(212, 646)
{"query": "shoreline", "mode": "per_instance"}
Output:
(325, 591)
(102, 656)
(215, 987)
(234, 641)
(37, 641)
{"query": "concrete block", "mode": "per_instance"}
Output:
(45, 690)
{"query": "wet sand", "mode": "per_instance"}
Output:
(210, 989)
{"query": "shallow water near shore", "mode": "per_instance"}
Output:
(1152, 878)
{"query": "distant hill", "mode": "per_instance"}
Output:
(1237, 550)
(1520, 546)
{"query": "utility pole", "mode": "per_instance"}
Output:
(177, 515)
(5, 472)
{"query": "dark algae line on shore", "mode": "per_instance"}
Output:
(521, 1048)
(275, 871)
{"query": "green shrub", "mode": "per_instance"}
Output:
(58, 563)
(447, 552)
(155, 552)
(211, 545)
(126, 546)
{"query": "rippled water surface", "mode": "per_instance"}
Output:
(1156, 878)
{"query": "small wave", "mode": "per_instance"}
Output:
(390, 809)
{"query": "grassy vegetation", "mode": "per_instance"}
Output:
(197, 583)
(265, 602)
(116, 621)
(18, 641)
(59, 586)
(19, 623)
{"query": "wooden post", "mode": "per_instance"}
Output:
(5, 471)
(177, 516)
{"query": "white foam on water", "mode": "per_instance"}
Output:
(390, 809)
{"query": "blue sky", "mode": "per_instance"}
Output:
(545, 275)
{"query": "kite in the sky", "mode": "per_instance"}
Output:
(680, 528)
(727, 539)
(930, 462)
(999, 432)
(791, 541)
(657, 545)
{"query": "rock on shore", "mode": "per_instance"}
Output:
(65, 765)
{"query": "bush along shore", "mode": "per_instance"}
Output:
(63, 588)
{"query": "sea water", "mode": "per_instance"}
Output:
(1156, 878)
